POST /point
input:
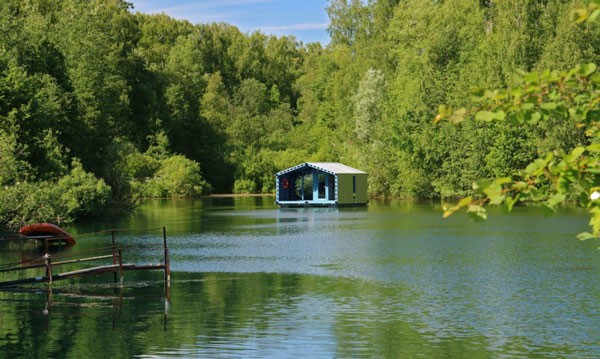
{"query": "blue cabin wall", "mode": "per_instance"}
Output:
(294, 187)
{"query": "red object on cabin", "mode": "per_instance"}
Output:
(48, 231)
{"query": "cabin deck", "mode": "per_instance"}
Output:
(288, 204)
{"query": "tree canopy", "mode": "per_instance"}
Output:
(131, 105)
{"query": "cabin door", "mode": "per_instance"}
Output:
(322, 185)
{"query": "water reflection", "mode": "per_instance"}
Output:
(51, 302)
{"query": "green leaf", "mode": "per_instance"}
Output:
(448, 212)
(444, 110)
(533, 117)
(493, 190)
(516, 92)
(563, 183)
(579, 15)
(497, 199)
(588, 69)
(464, 202)
(551, 76)
(572, 157)
(527, 106)
(457, 116)
(556, 199)
(593, 116)
(503, 180)
(536, 167)
(477, 93)
(511, 201)
(515, 119)
(520, 186)
(595, 221)
(584, 199)
(594, 15)
(544, 162)
(489, 94)
(485, 116)
(488, 116)
(532, 77)
(477, 212)
(500, 95)
(577, 152)
(550, 106)
(594, 147)
(576, 114)
(481, 185)
(585, 236)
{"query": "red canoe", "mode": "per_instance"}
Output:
(47, 231)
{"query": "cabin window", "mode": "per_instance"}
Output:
(304, 187)
(354, 184)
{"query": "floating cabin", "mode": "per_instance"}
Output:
(321, 184)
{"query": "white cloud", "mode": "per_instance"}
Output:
(197, 12)
(268, 16)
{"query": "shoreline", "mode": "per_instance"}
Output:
(241, 195)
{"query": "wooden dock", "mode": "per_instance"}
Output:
(50, 264)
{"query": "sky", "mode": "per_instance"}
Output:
(305, 19)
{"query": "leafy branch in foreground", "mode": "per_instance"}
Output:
(561, 175)
(588, 13)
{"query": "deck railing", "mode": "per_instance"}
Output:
(51, 262)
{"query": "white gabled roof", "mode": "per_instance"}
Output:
(329, 167)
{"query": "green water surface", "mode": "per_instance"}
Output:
(250, 280)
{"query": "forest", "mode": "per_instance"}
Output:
(101, 106)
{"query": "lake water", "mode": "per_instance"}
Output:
(250, 280)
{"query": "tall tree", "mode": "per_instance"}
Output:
(97, 39)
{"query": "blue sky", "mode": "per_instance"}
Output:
(305, 19)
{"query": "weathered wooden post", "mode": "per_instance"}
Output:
(120, 267)
(48, 306)
(167, 260)
(166, 312)
(114, 252)
(48, 262)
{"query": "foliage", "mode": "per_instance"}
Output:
(154, 106)
(13, 169)
(177, 176)
(79, 193)
(156, 172)
(570, 172)
(75, 194)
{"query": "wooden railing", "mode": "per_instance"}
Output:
(51, 262)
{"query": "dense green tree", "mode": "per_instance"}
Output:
(152, 106)
(177, 176)
(350, 21)
(215, 109)
(97, 40)
(159, 33)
